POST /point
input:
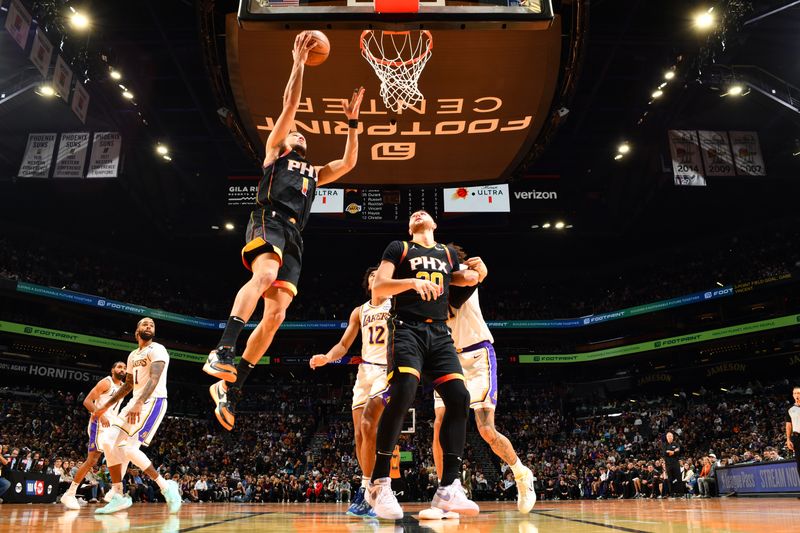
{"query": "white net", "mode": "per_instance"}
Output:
(398, 59)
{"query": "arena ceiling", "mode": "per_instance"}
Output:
(160, 48)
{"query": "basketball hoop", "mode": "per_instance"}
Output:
(398, 62)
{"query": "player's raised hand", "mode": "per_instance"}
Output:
(303, 44)
(318, 360)
(477, 264)
(427, 290)
(352, 107)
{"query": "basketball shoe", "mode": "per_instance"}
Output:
(220, 363)
(225, 400)
(380, 497)
(526, 494)
(452, 498)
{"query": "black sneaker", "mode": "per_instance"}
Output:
(220, 364)
(225, 400)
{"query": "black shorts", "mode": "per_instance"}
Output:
(417, 347)
(270, 232)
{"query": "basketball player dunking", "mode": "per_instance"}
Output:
(274, 245)
(139, 419)
(473, 342)
(103, 391)
(419, 274)
(371, 384)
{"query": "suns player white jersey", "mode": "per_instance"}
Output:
(106, 396)
(374, 331)
(139, 363)
(467, 324)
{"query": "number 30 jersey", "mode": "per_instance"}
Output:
(413, 260)
(374, 331)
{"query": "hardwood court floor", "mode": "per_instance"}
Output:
(761, 515)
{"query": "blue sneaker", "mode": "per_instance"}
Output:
(368, 511)
(173, 496)
(355, 505)
(117, 503)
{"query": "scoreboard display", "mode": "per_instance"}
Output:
(389, 205)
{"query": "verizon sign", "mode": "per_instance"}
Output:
(487, 199)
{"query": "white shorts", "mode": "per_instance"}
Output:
(150, 418)
(95, 430)
(479, 363)
(370, 383)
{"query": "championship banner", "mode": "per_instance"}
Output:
(80, 102)
(747, 154)
(38, 155)
(328, 200)
(41, 52)
(687, 163)
(484, 199)
(717, 156)
(62, 78)
(104, 162)
(18, 23)
(71, 155)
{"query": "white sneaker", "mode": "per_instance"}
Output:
(434, 513)
(70, 502)
(453, 498)
(82, 502)
(526, 494)
(109, 495)
(383, 501)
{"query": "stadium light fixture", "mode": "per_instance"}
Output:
(166, 157)
(229, 226)
(215, 227)
(560, 225)
(695, 394)
(669, 75)
(618, 157)
(127, 95)
(546, 225)
(115, 75)
(569, 226)
(737, 89)
(705, 20)
(720, 284)
(624, 148)
(46, 90)
(162, 150)
(723, 390)
(677, 395)
(78, 20)
(657, 93)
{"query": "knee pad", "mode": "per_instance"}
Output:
(455, 397)
(403, 389)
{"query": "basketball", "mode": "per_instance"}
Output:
(320, 52)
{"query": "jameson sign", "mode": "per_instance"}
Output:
(671, 342)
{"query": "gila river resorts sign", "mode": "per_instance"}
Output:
(469, 128)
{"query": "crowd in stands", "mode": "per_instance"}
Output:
(330, 294)
(294, 442)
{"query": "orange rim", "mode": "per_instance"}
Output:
(384, 62)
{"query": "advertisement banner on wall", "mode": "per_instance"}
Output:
(687, 162)
(747, 154)
(763, 478)
(71, 156)
(717, 155)
(484, 199)
(328, 200)
(38, 155)
(41, 52)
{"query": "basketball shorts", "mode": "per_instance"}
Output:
(417, 348)
(271, 232)
(370, 383)
(95, 430)
(480, 373)
(150, 418)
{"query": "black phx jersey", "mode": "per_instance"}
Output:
(288, 187)
(413, 260)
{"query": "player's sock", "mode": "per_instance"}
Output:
(162, 483)
(242, 372)
(232, 331)
(364, 481)
(73, 488)
(453, 433)
(518, 468)
(402, 392)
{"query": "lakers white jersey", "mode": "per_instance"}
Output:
(139, 364)
(106, 396)
(468, 325)
(374, 331)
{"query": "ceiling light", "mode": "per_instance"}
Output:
(704, 20)
(720, 284)
(546, 225)
(115, 75)
(128, 95)
(624, 148)
(618, 157)
(79, 21)
(122, 87)
(215, 227)
(568, 226)
(161, 149)
(560, 225)
(668, 75)
(535, 226)
(229, 226)
(657, 94)
(662, 85)
(46, 90)
(723, 390)
(735, 90)
(166, 157)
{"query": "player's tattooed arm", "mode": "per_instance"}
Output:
(156, 369)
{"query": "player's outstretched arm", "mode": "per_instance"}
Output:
(120, 394)
(303, 44)
(339, 167)
(344, 344)
(385, 286)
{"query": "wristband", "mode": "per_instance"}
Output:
(353, 123)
